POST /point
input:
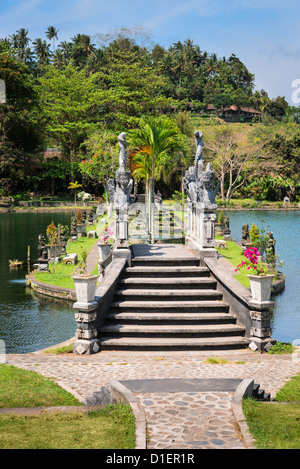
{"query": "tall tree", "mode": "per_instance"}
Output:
(232, 153)
(70, 107)
(153, 144)
(52, 33)
(42, 52)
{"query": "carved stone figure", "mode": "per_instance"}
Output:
(207, 189)
(111, 187)
(199, 151)
(200, 185)
(41, 244)
(227, 231)
(271, 242)
(189, 184)
(245, 233)
(122, 155)
(124, 186)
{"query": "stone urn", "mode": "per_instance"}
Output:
(220, 228)
(104, 250)
(85, 286)
(261, 287)
(81, 229)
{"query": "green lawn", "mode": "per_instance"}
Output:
(276, 425)
(61, 277)
(234, 254)
(112, 427)
(22, 388)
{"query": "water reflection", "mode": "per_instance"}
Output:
(285, 226)
(29, 322)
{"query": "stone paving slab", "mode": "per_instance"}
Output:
(173, 251)
(181, 385)
(183, 419)
(191, 420)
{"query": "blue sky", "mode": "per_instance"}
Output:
(264, 34)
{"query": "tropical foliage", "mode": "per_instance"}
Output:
(78, 95)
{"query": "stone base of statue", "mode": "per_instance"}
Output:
(43, 265)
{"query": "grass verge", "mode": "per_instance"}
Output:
(23, 388)
(110, 428)
(276, 425)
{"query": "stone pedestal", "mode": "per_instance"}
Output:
(86, 342)
(43, 265)
(261, 328)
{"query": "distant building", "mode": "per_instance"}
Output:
(52, 153)
(234, 114)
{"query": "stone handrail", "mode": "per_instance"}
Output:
(255, 318)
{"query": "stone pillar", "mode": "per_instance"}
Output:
(122, 229)
(86, 333)
(261, 330)
(207, 229)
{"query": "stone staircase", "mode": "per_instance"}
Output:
(164, 303)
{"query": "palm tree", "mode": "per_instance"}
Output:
(75, 185)
(66, 48)
(41, 49)
(83, 48)
(153, 143)
(51, 33)
(22, 34)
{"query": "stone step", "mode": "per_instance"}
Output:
(164, 261)
(176, 282)
(173, 343)
(177, 307)
(168, 295)
(177, 330)
(260, 394)
(167, 271)
(171, 318)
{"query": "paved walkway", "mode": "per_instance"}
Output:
(186, 399)
(180, 413)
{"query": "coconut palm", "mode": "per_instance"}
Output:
(154, 143)
(82, 48)
(51, 33)
(41, 49)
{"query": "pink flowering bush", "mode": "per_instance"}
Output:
(252, 254)
(107, 234)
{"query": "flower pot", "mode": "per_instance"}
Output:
(81, 229)
(104, 251)
(261, 287)
(219, 227)
(85, 286)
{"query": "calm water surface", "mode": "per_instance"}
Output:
(29, 322)
(285, 226)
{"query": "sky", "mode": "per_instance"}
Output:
(264, 34)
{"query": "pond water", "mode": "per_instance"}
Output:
(29, 322)
(285, 226)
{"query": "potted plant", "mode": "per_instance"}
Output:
(85, 283)
(260, 280)
(220, 225)
(81, 226)
(103, 245)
